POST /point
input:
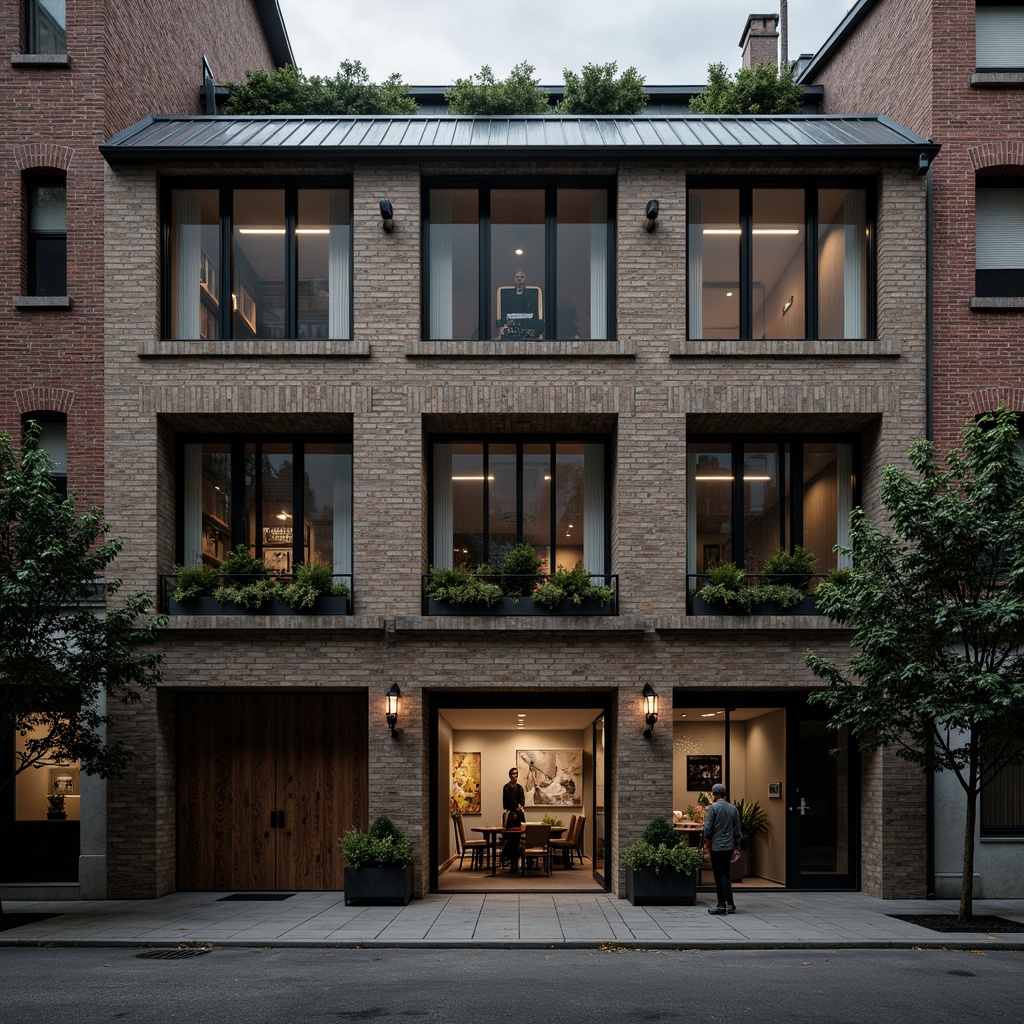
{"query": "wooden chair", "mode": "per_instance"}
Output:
(564, 846)
(536, 846)
(477, 848)
(577, 846)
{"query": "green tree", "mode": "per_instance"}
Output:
(596, 90)
(937, 601)
(289, 91)
(482, 94)
(763, 89)
(57, 657)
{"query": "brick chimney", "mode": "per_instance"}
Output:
(760, 40)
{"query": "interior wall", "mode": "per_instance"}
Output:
(766, 763)
(445, 829)
(689, 738)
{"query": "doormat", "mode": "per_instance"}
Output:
(9, 920)
(257, 897)
(951, 923)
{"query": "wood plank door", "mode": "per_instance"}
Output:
(266, 784)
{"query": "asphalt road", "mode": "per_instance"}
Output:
(452, 986)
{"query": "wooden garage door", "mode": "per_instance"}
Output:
(266, 785)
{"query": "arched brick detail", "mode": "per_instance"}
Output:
(44, 400)
(990, 399)
(990, 155)
(39, 155)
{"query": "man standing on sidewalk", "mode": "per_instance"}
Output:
(722, 837)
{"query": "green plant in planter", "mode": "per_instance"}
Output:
(793, 570)
(55, 805)
(550, 819)
(725, 586)
(662, 847)
(753, 821)
(246, 581)
(460, 585)
(518, 572)
(192, 581)
(310, 580)
(383, 845)
(571, 585)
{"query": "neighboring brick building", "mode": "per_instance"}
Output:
(953, 71)
(284, 374)
(77, 73)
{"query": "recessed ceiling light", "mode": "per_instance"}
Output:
(519, 252)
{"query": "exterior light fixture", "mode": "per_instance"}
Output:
(651, 214)
(387, 215)
(650, 709)
(391, 708)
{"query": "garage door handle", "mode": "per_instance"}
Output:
(277, 819)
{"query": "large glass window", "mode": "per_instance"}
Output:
(53, 439)
(999, 237)
(47, 238)
(999, 35)
(287, 500)
(290, 256)
(519, 264)
(1002, 803)
(46, 23)
(790, 491)
(488, 496)
(778, 262)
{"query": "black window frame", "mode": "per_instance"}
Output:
(520, 439)
(35, 16)
(550, 185)
(994, 831)
(811, 186)
(226, 187)
(46, 248)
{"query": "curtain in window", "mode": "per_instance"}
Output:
(853, 275)
(342, 525)
(999, 227)
(441, 297)
(599, 267)
(339, 271)
(844, 469)
(695, 267)
(593, 507)
(186, 225)
(192, 505)
(444, 524)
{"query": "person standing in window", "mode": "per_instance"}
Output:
(513, 799)
(520, 310)
(722, 836)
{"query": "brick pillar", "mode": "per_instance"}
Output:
(760, 40)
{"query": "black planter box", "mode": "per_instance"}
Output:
(378, 886)
(326, 604)
(645, 888)
(521, 606)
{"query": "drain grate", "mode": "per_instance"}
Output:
(174, 954)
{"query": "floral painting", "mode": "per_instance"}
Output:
(551, 778)
(466, 782)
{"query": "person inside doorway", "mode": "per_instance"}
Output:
(722, 836)
(513, 799)
(520, 310)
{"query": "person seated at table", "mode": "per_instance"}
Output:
(513, 798)
(520, 310)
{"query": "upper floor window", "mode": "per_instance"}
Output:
(999, 35)
(776, 261)
(1002, 803)
(260, 263)
(53, 439)
(46, 24)
(288, 500)
(999, 236)
(749, 497)
(47, 237)
(488, 496)
(519, 263)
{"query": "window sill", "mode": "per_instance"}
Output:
(521, 349)
(321, 349)
(783, 348)
(1003, 839)
(47, 302)
(40, 60)
(194, 623)
(634, 624)
(997, 302)
(733, 623)
(997, 79)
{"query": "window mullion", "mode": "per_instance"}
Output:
(746, 263)
(550, 319)
(291, 265)
(811, 271)
(227, 275)
(486, 330)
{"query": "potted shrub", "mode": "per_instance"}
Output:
(55, 807)
(448, 589)
(314, 591)
(661, 867)
(789, 577)
(246, 585)
(194, 586)
(724, 590)
(518, 573)
(753, 822)
(572, 591)
(379, 867)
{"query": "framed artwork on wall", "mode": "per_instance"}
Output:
(703, 770)
(551, 778)
(466, 782)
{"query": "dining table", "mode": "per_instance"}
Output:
(491, 833)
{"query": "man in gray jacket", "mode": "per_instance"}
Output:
(722, 837)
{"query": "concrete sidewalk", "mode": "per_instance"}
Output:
(767, 920)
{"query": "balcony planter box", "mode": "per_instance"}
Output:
(518, 606)
(808, 606)
(195, 606)
(645, 888)
(331, 604)
(701, 607)
(378, 886)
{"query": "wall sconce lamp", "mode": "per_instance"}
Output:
(651, 214)
(923, 163)
(391, 708)
(387, 215)
(650, 709)
(786, 307)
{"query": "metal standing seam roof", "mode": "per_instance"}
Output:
(417, 136)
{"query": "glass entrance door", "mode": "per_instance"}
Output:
(821, 836)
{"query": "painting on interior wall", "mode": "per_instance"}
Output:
(551, 778)
(703, 770)
(466, 782)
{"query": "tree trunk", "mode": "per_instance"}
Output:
(967, 881)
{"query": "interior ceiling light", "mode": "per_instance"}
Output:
(710, 714)
(757, 231)
(283, 515)
(720, 479)
(519, 252)
(478, 478)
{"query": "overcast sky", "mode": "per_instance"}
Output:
(670, 42)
